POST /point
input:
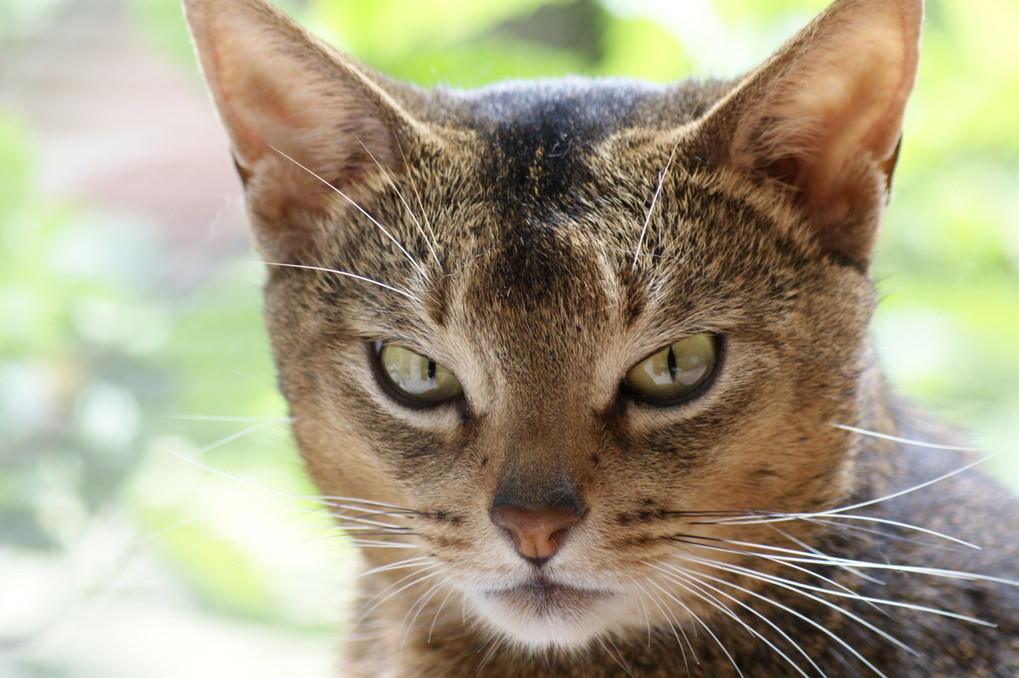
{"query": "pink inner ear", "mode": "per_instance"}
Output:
(831, 103)
(306, 124)
(278, 88)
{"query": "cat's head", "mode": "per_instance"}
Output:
(563, 337)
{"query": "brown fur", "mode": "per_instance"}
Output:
(539, 267)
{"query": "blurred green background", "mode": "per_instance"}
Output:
(150, 514)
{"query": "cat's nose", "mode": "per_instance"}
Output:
(537, 533)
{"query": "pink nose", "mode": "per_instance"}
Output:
(537, 533)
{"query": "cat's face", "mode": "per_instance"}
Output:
(540, 308)
(464, 298)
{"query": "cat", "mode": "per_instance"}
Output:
(584, 368)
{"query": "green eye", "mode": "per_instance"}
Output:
(417, 377)
(676, 371)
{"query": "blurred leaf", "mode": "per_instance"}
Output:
(221, 575)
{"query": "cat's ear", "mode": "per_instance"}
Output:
(304, 121)
(824, 115)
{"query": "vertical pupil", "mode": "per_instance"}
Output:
(431, 372)
(671, 358)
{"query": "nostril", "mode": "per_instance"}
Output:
(536, 533)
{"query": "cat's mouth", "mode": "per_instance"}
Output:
(540, 612)
(547, 596)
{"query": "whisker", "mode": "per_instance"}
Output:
(617, 660)
(647, 617)
(654, 201)
(827, 518)
(690, 579)
(398, 565)
(435, 619)
(349, 275)
(170, 528)
(413, 216)
(802, 589)
(272, 491)
(205, 417)
(910, 441)
(817, 552)
(419, 606)
(700, 621)
(357, 207)
(892, 523)
(366, 524)
(381, 544)
(493, 648)
(361, 524)
(673, 625)
(421, 205)
(787, 583)
(792, 555)
(240, 434)
(921, 486)
(812, 622)
(421, 576)
(355, 500)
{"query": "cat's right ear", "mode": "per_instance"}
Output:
(304, 121)
(822, 118)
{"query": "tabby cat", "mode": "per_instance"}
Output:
(583, 366)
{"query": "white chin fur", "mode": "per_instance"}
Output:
(539, 627)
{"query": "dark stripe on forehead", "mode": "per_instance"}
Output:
(536, 137)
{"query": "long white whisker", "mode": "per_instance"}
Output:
(365, 523)
(793, 565)
(418, 606)
(916, 443)
(654, 201)
(802, 589)
(327, 498)
(699, 621)
(159, 533)
(791, 555)
(914, 488)
(349, 275)
(204, 417)
(398, 565)
(810, 549)
(357, 207)
(889, 522)
(367, 543)
(383, 596)
(689, 579)
(673, 625)
(435, 619)
(826, 518)
(810, 621)
(421, 204)
(617, 660)
(413, 216)
(240, 434)
(647, 617)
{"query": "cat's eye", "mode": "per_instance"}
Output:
(676, 371)
(415, 376)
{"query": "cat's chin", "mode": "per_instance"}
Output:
(541, 615)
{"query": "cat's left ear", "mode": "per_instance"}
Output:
(823, 117)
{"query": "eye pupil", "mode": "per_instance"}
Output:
(416, 377)
(674, 372)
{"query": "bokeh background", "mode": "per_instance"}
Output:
(151, 520)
